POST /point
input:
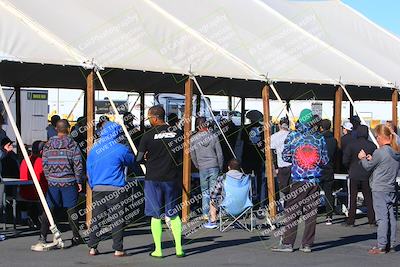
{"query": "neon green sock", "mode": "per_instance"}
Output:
(176, 227)
(156, 231)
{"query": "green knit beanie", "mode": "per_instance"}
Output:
(306, 116)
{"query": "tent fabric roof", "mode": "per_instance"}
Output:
(348, 31)
(168, 37)
(269, 42)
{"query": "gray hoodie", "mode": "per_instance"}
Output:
(206, 151)
(385, 166)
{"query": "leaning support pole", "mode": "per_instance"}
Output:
(269, 175)
(53, 227)
(371, 135)
(187, 164)
(118, 117)
(76, 104)
(18, 114)
(278, 97)
(212, 115)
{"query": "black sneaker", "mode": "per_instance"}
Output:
(77, 241)
(260, 214)
(390, 248)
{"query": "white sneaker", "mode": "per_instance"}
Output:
(211, 225)
(39, 246)
(328, 221)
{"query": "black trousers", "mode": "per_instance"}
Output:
(353, 186)
(327, 186)
(110, 212)
(284, 179)
(73, 221)
(302, 205)
(249, 167)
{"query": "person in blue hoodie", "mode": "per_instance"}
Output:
(106, 165)
(306, 149)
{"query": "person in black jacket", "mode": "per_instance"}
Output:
(356, 121)
(327, 177)
(347, 137)
(358, 176)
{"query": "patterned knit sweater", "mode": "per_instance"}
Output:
(62, 162)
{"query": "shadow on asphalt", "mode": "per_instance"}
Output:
(343, 241)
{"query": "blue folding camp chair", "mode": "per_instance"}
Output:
(236, 203)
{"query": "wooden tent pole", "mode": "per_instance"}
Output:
(338, 115)
(187, 164)
(90, 120)
(395, 99)
(268, 155)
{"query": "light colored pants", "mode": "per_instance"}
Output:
(384, 213)
(208, 179)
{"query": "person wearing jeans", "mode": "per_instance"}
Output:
(207, 156)
(208, 179)
(106, 166)
(384, 164)
(63, 169)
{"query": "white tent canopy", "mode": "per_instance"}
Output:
(18, 42)
(348, 31)
(119, 34)
(269, 42)
(228, 38)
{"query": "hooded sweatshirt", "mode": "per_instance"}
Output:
(62, 161)
(108, 158)
(384, 166)
(306, 149)
(216, 191)
(350, 154)
(331, 145)
(206, 151)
